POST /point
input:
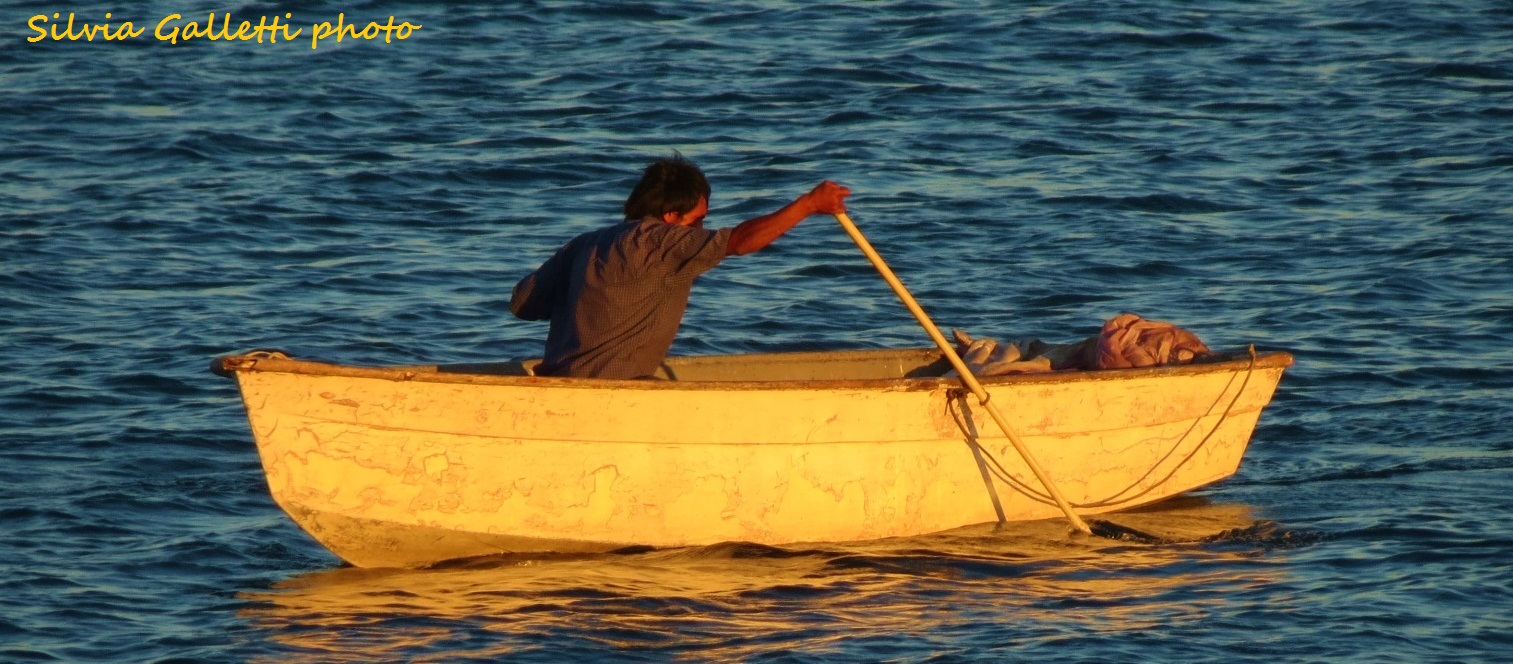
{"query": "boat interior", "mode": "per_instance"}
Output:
(812, 365)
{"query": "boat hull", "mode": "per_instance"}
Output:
(407, 467)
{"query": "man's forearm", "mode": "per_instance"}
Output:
(756, 233)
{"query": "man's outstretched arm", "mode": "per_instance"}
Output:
(754, 234)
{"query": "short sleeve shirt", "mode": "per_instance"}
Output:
(616, 296)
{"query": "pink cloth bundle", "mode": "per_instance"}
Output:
(1129, 341)
(1126, 341)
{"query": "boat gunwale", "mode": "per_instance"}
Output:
(1237, 361)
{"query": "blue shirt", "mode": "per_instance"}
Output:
(616, 296)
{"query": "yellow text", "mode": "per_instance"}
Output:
(245, 31)
(88, 32)
(325, 30)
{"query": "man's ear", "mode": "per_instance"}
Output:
(671, 217)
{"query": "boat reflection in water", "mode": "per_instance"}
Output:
(735, 600)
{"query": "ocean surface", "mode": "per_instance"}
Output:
(1330, 179)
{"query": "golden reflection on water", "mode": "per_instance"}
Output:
(735, 600)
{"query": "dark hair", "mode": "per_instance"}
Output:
(670, 184)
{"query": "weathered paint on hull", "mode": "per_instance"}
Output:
(405, 469)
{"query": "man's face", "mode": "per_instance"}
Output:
(694, 217)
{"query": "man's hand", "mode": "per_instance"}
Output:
(827, 198)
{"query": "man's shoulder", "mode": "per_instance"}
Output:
(652, 239)
(653, 232)
(603, 231)
(598, 236)
(677, 233)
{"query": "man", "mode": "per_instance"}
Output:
(615, 297)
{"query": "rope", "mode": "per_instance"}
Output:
(1114, 499)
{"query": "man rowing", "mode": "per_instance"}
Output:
(616, 296)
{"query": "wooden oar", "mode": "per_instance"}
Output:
(961, 368)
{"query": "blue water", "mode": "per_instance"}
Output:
(1332, 179)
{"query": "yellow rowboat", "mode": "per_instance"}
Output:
(408, 466)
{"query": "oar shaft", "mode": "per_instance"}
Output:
(961, 368)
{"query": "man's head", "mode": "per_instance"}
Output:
(669, 186)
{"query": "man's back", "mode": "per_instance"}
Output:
(616, 296)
